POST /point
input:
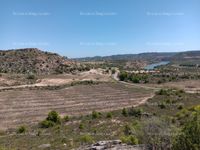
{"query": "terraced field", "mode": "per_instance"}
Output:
(25, 106)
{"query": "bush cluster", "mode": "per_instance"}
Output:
(136, 112)
(52, 119)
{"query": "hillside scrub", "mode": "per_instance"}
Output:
(189, 136)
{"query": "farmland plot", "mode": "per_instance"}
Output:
(25, 106)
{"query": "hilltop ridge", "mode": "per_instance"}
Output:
(32, 60)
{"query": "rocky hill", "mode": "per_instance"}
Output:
(32, 60)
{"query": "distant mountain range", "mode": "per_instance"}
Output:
(188, 55)
(150, 57)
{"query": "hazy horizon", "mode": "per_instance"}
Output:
(100, 28)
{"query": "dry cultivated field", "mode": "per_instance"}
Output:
(25, 106)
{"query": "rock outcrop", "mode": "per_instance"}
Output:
(111, 145)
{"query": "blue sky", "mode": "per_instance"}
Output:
(79, 28)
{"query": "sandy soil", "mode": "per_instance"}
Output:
(56, 80)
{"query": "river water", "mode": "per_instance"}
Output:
(153, 66)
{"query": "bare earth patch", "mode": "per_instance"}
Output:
(56, 80)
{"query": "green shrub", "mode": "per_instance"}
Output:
(31, 77)
(2, 132)
(127, 130)
(124, 139)
(132, 140)
(21, 129)
(46, 124)
(181, 91)
(95, 115)
(162, 105)
(57, 128)
(135, 112)
(123, 76)
(180, 107)
(107, 71)
(94, 130)
(136, 80)
(86, 139)
(81, 126)
(39, 132)
(109, 115)
(124, 112)
(162, 92)
(168, 101)
(66, 118)
(173, 120)
(113, 71)
(54, 117)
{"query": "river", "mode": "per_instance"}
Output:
(153, 66)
